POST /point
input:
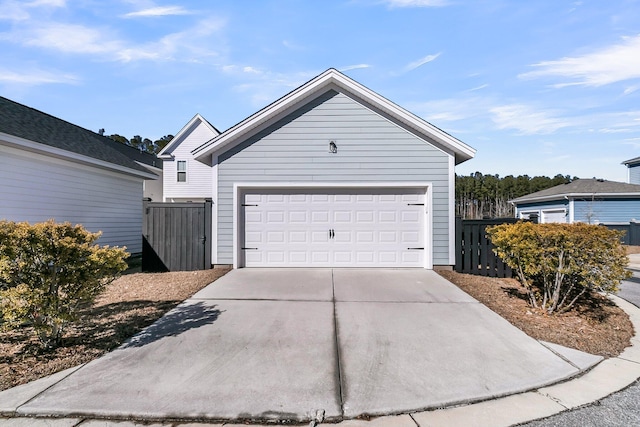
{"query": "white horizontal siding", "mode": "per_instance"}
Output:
(36, 188)
(370, 149)
(198, 184)
(634, 174)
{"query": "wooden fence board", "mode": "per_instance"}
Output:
(176, 236)
(474, 251)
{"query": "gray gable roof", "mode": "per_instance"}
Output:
(582, 188)
(632, 162)
(33, 125)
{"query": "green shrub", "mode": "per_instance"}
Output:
(48, 271)
(559, 263)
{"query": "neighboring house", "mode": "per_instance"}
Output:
(593, 201)
(633, 170)
(151, 188)
(331, 174)
(52, 169)
(185, 179)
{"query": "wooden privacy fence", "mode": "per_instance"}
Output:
(631, 235)
(474, 250)
(176, 236)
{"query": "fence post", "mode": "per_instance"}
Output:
(208, 206)
(459, 238)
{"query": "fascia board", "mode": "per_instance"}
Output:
(37, 147)
(406, 117)
(289, 102)
(561, 197)
(267, 114)
(177, 140)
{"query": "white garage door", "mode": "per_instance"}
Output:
(341, 228)
(556, 215)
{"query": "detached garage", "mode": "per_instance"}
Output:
(333, 175)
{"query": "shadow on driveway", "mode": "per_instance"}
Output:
(179, 320)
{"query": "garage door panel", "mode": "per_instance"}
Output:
(344, 228)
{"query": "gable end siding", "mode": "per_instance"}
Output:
(370, 149)
(198, 184)
(37, 188)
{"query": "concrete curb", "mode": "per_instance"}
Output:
(609, 376)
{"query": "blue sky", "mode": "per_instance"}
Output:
(537, 87)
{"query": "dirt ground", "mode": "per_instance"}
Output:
(596, 325)
(134, 301)
(128, 305)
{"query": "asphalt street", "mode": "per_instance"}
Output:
(619, 409)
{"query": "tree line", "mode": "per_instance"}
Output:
(479, 196)
(146, 145)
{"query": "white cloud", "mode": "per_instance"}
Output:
(70, 38)
(420, 62)
(452, 109)
(526, 120)
(251, 70)
(12, 10)
(159, 11)
(35, 77)
(473, 89)
(608, 65)
(189, 45)
(416, 3)
(267, 86)
(355, 67)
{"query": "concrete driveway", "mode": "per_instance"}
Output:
(268, 344)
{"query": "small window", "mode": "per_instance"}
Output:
(182, 171)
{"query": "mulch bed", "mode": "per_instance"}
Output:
(129, 304)
(596, 325)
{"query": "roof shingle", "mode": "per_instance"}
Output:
(28, 123)
(582, 187)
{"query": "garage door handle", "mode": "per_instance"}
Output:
(251, 249)
(332, 234)
(415, 249)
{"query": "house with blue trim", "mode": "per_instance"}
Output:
(592, 201)
(633, 170)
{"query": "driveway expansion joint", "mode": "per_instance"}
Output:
(337, 346)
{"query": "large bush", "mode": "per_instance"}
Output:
(559, 263)
(48, 271)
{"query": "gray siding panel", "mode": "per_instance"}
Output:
(370, 149)
(607, 211)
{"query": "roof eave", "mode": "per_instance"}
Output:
(37, 147)
(571, 196)
(289, 102)
(165, 153)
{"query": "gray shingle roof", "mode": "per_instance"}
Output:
(582, 187)
(28, 123)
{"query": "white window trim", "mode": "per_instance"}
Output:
(178, 171)
(238, 188)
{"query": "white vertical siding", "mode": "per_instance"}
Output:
(370, 149)
(36, 188)
(198, 184)
(153, 187)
